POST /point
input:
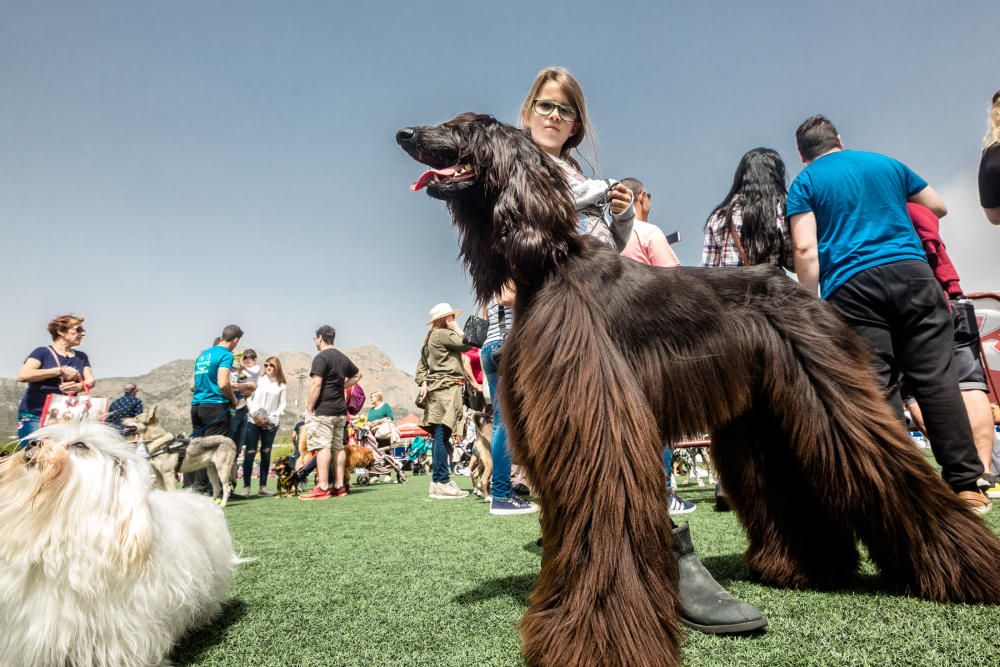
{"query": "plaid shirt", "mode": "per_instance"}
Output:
(720, 249)
(124, 407)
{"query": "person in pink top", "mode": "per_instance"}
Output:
(646, 244)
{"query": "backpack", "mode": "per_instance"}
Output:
(355, 399)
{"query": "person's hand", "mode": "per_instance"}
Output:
(620, 197)
(69, 374)
(71, 387)
(423, 391)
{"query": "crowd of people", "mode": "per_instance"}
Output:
(859, 229)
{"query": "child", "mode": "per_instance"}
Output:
(555, 116)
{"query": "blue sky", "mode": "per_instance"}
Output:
(168, 168)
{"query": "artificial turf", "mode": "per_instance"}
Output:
(385, 576)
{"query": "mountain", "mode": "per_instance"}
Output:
(167, 386)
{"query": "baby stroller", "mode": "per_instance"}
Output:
(383, 464)
(418, 456)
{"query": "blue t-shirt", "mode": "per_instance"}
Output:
(34, 398)
(206, 375)
(859, 200)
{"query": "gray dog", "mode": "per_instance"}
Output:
(215, 453)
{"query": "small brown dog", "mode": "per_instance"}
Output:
(288, 482)
(357, 457)
(482, 472)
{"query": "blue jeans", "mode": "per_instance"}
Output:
(441, 453)
(238, 430)
(266, 438)
(668, 463)
(498, 444)
(27, 423)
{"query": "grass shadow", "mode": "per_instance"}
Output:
(534, 547)
(515, 587)
(194, 644)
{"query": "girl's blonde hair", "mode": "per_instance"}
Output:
(377, 395)
(993, 133)
(572, 89)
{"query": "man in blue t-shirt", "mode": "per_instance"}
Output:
(854, 240)
(212, 397)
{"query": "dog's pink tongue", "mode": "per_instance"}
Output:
(429, 174)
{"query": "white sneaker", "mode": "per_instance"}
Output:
(446, 491)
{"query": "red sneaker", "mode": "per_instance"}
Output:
(316, 494)
(342, 491)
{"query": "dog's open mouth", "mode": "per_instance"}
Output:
(452, 174)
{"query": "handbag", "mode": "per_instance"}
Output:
(473, 398)
(60, 408)
(475, 331)
(64, 408)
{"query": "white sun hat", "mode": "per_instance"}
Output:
(442, 310)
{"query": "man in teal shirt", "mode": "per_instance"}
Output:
(212, 397)
(853, 237)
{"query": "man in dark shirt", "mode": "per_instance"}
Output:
(126, 406)
(332, 373)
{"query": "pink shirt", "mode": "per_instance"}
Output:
(648, 245)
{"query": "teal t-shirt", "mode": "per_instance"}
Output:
(206, 375)
(859, 200)
(382, 411)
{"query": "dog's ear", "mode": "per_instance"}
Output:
(132, 515)
(534, 217)
(152, 411)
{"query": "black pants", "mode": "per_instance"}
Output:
(206, 419)
(900, 310)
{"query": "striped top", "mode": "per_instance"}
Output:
(494, 334)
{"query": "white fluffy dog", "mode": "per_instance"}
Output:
(97, 570)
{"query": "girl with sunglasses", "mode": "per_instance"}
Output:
(265, 409)
(54, 369)
(555, 116)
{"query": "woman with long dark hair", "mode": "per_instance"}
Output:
(749, 226)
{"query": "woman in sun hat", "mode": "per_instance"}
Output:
(441, 380)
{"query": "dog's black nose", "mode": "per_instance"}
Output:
(404, 135)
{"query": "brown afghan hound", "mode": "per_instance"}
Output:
(617, 357)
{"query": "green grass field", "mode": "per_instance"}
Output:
(386, 576)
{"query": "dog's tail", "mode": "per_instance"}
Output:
(581, 425)
(860, 460)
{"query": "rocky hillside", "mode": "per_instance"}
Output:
(167, 386)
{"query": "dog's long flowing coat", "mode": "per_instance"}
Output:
(96, 570)
(608, 358)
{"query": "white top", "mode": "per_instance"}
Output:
(269, 397)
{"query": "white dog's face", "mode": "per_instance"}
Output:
(77, 481)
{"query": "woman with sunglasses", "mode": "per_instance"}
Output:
(265, 409)
(53, 369)
(555, 116)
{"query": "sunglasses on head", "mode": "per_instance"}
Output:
(547, 107)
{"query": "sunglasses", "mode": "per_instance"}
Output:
(77, 329)
(546, 107)
(269, 366)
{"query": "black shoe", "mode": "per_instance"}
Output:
(721, 499)
(705, 604)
